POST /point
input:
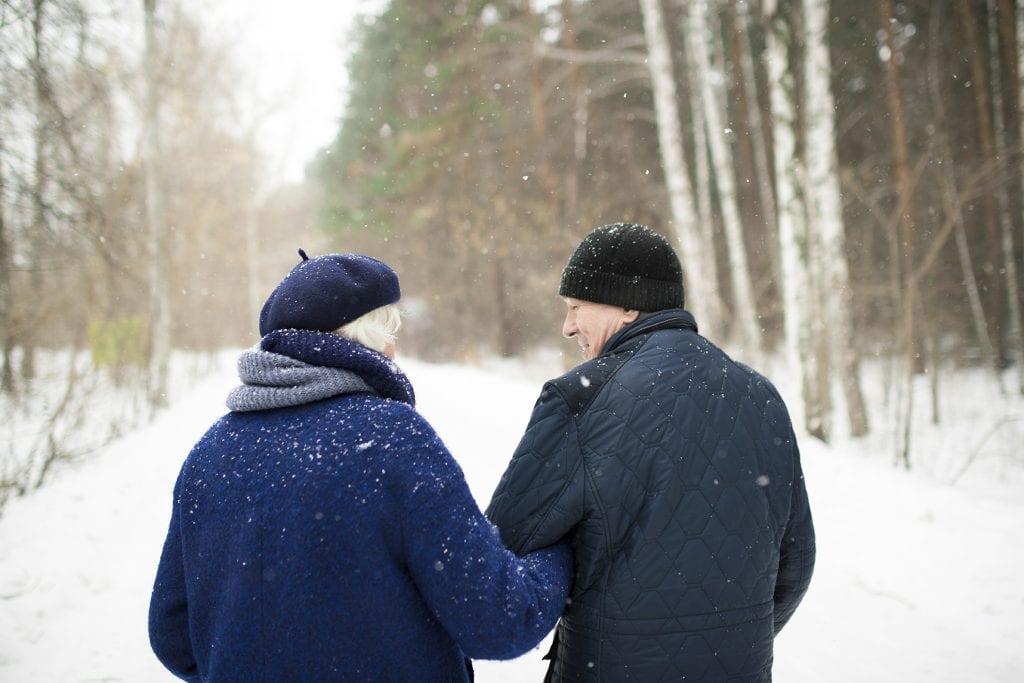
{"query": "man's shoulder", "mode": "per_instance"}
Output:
(581, 385)
(671, 354)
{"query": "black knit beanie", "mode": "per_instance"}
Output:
(627, 265)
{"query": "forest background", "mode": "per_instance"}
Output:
(841, 179)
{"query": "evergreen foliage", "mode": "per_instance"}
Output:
(483, 139)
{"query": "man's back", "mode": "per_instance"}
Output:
(676, 472)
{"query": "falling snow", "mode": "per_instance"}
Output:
(920, 573)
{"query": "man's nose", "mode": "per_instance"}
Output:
(569, 328)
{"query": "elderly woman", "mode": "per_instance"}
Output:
(321, 531)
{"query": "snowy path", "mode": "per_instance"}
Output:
(915, 581)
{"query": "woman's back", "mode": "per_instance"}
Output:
(339, 539)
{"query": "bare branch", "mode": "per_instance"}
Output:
(604, 56)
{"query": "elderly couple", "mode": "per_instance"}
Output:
(655, 509)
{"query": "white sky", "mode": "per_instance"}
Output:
(293, 60)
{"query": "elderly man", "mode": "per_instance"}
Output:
(675, 472)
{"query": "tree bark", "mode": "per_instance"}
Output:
(1020, 94)
(986, 139)
(745, 317)
(759, 142)
(6, 296)
(255, 291)
(904, 236)
(159, 303)
(1015, 343)
(952, 204)
(794, 247)
(695, 252)
(702, 173)
(826, 211)
(26, 333)
(578, 95)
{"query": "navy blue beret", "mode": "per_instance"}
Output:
(329, 291)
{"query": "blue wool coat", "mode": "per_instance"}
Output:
(676, 474)
(338, 541)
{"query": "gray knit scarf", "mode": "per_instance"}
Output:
(270, 380)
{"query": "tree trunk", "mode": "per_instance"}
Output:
(1020, 94)
(793, 238)
(904, 236)
(1020, 117)
(986, 139)
(746, 320)
(507, 322)
(695, 252)
(27, 330)
(759, 143)
(255, 291)
(1015, 343)
(952, 203)
(702, 180)
(578, 96)
(549, 180)
(826, 211)
(159, 313)
(6, 296)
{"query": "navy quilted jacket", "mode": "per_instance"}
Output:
(676, 474)
(338, 541)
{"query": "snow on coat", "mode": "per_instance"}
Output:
(676, 474)
(338, 541)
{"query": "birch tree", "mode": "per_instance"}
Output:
(801, 322)
(7, 335)
(701, 170)
(6, 293)
(825, 211)
(160, 321)
(990, 247)
(698, 35)
(695, 252)
(40, 176)
(1015, 342)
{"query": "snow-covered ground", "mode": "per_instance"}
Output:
(917, 579)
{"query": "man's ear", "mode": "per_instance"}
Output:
(630, 316)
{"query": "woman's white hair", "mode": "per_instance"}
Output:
(376, 329)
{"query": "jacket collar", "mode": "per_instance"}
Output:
(328, 350)
(671, 318)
